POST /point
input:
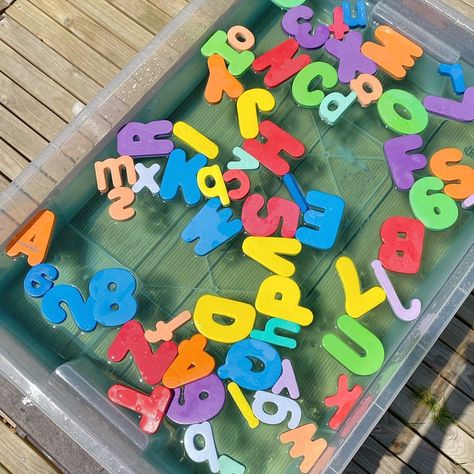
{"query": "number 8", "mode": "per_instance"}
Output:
(436, 211)
(112, 290)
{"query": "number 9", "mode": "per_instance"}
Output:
(436, 211)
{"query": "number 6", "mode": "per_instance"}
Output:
(436, 211)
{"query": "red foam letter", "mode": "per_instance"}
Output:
(279, 209)
(344, 399)
(152, 366)
(402, 246)
(277, 140)
(282, 63)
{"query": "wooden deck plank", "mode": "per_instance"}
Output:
(170, 7)
(48, 61)
(413, 450)
(63, 42)
(354, 468)
(21, 137)
(37, 83)
(19, 457)
(466, 312)
(459, 337)
(449, 438)
(4, 182)
(12, 163)
(452, 367)
(375, 458)
(87, 30)
(29, 109)
(459, 406)
(115, 21)
(144, 13)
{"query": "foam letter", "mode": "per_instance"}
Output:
(241, 317)
(212, 226)
(365, 362)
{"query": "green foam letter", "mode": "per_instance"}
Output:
(352, 360)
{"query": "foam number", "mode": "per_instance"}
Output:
(277, 141)
(334, 105)
(212, 184)
(344, 399)
(284, 406)
(191, 364)
(244, 184)
(365, 361)
(112, 290)
(40, 279)
(287, 381)
(221, 81)
(145, 139)
(269, 333)
(82, 311)
(368, 89)
(304, 446)
(114, 167)
(267, 252)
(405, 314)
(208, 452)
(240, 318)
(437, 211)
(281, 63)
(395, 53)
(243, 405)
(122, 200)
(241, 38)
(151, 408)
(303, 31)
(325, 219)
(456, 74)
(34, 239)
(248, 105)
(151, 365)
(279, 297)
(338, 28)
(402, 246)
(164, 331)
(351, 60)
(388, 108)
(452, 109)
(197, 401)
(462, 175)
(239, 365)
(357, 303)
(361, 14)
(278, 210)
(196, 140)
(182, 174)
(303, 90)
(213, 226)
(401, 163)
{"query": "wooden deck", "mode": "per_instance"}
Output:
(56, 55)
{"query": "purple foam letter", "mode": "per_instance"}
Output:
(402, 164)
(351, 60)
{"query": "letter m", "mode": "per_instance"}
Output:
(395, 53)
(114, 167)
